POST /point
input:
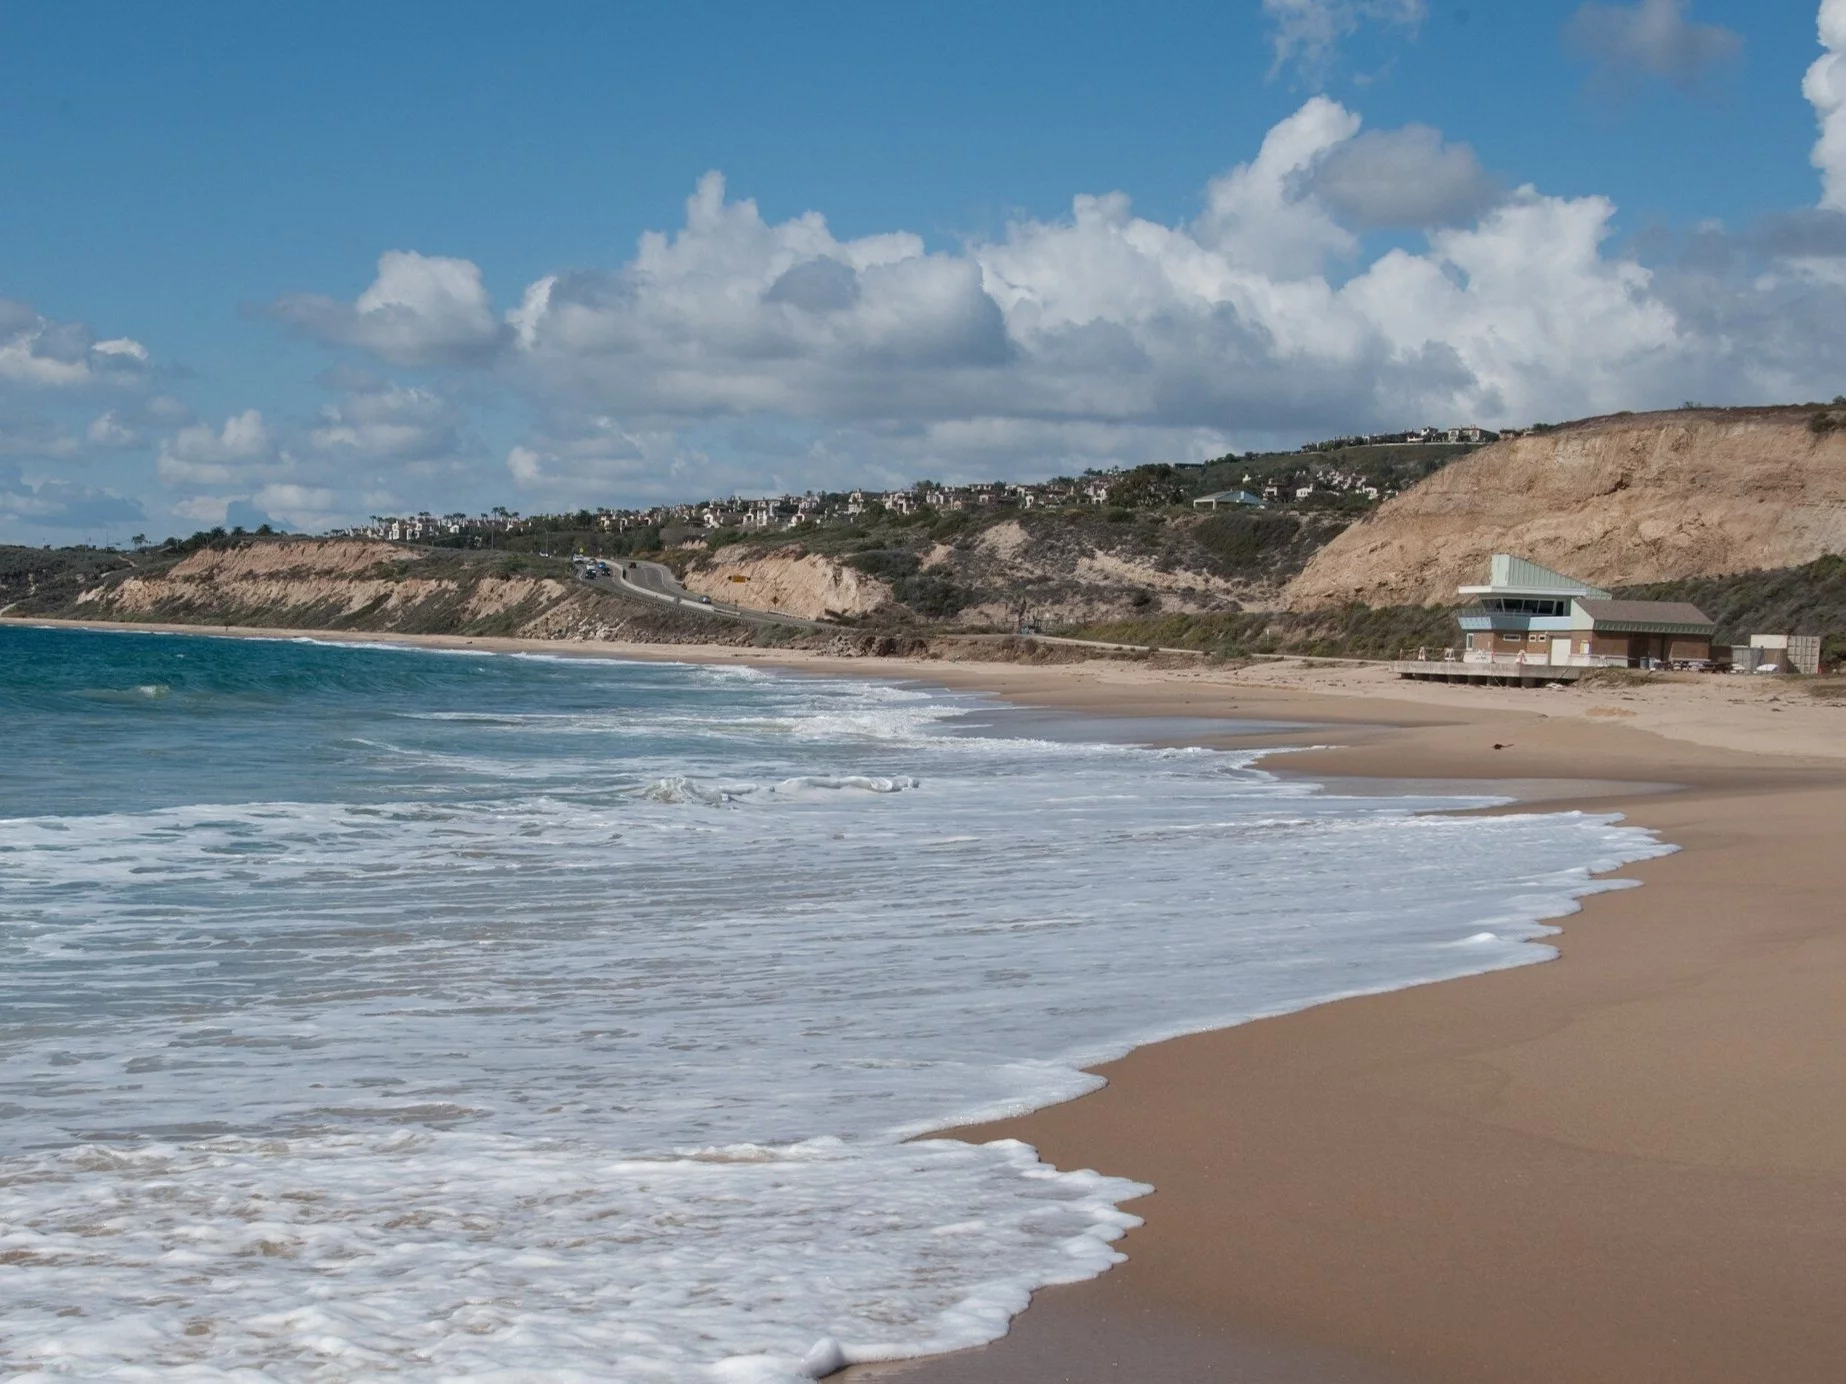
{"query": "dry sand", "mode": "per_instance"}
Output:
(1628, 1165)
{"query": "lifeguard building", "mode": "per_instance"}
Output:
(1529, 623)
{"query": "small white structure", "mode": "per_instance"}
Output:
(1798, 653)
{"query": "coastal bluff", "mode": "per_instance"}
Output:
(1617, 501)
(341, 585)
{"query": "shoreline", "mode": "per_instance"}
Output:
(1765, 718)
(1629, 1163)
(1625, 1164)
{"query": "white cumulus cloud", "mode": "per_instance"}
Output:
(1825, 88)
(199, 455)
(1254, 318)
(741, 353)
(388, 422)
(37, 352)
(419, 310)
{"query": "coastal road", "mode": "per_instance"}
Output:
(655, 582)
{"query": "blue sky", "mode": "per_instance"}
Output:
(1446, 212)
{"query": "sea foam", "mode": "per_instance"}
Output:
(438, 1019)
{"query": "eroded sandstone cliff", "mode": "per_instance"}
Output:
(788, 581)
(341, 584)
(1617, 501)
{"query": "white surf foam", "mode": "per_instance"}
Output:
(553, 1073)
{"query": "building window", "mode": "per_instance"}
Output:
(1523, 605)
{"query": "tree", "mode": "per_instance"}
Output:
(140, 541)
(1147, 487)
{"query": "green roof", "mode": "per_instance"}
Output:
(1522, 574)
(1518, 576)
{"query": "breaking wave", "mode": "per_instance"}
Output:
(397, 1018)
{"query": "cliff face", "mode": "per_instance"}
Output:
(1060, 567)
(331, 585)
(1616, 501)
(338, 584)
(789, 581)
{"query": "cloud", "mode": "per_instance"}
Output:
(196, 455)
(1807, 234)
(1247, 321)
(1403, 178)
(38, 353)
(707, 321)
(419, 310)
(1652, 36)
(1306, 33)
(294, 506)
(574, 453)
(1825, 88)
(107, 430)
(737, 353)
(357, 454)
(242, 514)
(31, 504)
(384, 422)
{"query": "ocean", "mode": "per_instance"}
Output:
(371, 1013)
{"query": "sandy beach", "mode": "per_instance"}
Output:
(1629, 1164)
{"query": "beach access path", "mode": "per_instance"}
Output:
(1626, 1165)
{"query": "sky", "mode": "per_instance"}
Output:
(304, 265)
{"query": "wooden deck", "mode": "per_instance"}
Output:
(1487, 674)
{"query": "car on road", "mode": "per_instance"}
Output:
(705, 600)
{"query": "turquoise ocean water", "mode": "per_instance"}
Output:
(373, 1013)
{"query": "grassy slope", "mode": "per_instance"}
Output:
(35, 580)
(1792, 600)
(1254, 547)
(1353, 632)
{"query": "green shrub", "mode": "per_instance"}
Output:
(887, 564)
(933, 597)
(1245, 537)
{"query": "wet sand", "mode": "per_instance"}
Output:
(1626, 1165)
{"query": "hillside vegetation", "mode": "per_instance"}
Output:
(1742, 512)
(36, 580)
(1810, 599)
(1356, 631)
(982, 570)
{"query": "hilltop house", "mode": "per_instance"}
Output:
(1528, 614)
(1232, 499)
